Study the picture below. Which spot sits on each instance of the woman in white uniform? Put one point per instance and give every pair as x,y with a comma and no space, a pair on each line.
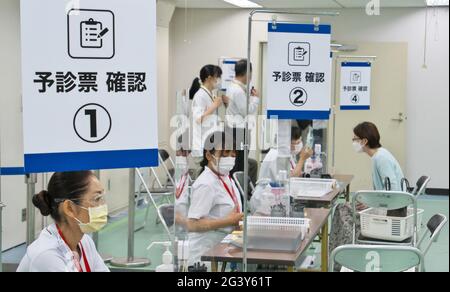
205,107
76,202
270,168
215,207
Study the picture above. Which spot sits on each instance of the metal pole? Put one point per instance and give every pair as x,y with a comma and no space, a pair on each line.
246,146
130,261
333,163
30,180
131,212
1,208
246,137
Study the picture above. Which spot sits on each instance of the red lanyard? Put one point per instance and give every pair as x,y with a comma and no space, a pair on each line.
181,186
86,263
232,194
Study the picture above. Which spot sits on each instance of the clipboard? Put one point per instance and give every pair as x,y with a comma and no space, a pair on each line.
89,32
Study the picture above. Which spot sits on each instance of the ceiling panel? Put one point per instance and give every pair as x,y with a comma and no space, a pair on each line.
384,3
298,3
302,3
204,4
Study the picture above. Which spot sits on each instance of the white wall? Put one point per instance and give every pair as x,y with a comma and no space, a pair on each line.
215,33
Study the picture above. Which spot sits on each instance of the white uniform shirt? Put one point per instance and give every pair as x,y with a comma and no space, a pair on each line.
236,110
203,99
270,168
210,200
49,253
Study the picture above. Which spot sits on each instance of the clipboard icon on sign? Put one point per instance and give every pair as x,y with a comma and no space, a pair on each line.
90,34
299,54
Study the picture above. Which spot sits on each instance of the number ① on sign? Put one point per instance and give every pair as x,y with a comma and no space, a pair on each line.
92,123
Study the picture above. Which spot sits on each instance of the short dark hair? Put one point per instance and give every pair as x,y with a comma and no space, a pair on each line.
304,124
296,133
369,131
241,68
62,186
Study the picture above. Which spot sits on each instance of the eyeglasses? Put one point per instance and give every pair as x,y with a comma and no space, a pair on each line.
95,202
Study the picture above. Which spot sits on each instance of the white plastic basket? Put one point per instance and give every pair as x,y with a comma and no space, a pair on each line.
276,234
315,188
278,223
377,225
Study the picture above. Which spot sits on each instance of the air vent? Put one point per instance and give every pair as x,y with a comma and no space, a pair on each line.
396,228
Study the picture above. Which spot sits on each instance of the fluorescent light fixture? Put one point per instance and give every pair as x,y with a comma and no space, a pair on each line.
243,3
437,2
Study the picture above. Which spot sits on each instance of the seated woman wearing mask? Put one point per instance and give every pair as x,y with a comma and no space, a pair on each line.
384,165
269,167
76,202
215,206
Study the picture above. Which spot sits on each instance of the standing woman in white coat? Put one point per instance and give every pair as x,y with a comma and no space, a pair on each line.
205,106
76,202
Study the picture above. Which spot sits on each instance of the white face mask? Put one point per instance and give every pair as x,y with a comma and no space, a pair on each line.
98,218
181,162
298,149
358,147
218,85
225,165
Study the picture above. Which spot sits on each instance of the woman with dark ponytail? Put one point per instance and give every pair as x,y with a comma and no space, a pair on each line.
205,107
75,201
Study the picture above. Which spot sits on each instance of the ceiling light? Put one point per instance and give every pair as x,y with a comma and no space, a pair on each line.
243,3
437,2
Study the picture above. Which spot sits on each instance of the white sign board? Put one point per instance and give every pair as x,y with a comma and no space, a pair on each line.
228,66
89,84
299,85
355,85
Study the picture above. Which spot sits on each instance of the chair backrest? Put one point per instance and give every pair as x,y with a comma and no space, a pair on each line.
163,157
384,199
239,180
421,185
163,154
405,186
168,214
434,228
377,258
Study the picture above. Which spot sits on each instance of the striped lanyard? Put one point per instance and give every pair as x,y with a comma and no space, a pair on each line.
181,186
232,195
75,254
